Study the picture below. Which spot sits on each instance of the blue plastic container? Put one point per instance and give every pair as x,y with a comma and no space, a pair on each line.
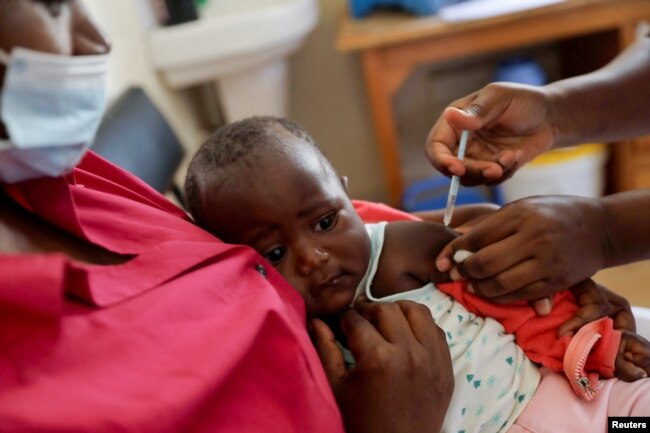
520,69
431,193
362,8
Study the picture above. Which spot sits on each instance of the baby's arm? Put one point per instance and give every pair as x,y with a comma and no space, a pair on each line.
464,215
407,257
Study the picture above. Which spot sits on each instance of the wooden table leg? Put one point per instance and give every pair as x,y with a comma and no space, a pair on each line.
382,83
629,159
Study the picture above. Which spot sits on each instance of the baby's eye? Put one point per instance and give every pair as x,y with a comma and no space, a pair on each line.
275,256
326,223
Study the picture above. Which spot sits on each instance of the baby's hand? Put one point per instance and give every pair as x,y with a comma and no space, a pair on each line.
633,359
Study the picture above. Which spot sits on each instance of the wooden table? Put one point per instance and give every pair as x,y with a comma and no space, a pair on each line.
392,45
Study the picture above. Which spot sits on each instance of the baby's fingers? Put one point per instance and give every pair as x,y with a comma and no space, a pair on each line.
628,371
633,360
641,359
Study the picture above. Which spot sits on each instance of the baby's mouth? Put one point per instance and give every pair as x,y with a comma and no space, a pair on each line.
329,282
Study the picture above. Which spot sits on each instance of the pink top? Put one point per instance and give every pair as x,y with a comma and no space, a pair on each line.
190,335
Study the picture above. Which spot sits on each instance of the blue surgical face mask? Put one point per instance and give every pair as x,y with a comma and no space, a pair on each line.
51,106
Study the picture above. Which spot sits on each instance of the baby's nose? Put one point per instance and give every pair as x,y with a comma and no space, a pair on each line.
311,258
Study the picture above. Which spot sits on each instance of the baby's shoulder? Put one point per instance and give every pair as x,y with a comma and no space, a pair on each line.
408,255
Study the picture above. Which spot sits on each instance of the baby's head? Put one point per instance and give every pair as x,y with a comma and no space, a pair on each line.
263,182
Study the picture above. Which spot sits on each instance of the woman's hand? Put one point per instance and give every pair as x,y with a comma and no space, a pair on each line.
531,248
403,378
510,126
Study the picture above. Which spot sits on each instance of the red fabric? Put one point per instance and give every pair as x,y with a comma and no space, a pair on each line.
186,336
376,212
536,335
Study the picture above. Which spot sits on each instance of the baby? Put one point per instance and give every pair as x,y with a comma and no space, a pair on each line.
263,182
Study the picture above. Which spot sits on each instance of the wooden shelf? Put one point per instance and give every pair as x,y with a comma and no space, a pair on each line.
392,45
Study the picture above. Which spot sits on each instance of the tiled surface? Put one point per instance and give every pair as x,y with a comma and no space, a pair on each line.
631,281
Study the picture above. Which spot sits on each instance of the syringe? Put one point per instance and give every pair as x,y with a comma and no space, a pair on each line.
455,180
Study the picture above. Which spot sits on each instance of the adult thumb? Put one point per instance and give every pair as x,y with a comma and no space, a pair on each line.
482,110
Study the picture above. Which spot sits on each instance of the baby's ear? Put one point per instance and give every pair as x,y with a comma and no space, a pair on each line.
344,183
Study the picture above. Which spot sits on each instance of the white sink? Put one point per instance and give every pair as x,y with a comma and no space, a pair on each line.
243,45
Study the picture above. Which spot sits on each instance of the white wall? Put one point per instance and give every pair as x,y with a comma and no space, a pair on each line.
126,23
328,99
327,91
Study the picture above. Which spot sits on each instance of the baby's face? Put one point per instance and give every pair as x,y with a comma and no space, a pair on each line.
293,209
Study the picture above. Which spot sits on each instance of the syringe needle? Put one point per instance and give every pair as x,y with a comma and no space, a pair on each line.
455,180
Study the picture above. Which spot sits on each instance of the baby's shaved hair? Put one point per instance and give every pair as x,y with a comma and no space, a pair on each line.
229,145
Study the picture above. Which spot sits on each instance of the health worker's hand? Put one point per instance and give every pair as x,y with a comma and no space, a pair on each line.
403,378
509,126
531,248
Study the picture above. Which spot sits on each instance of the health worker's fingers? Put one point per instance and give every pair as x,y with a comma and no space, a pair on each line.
443,138
442,158
485,108
544,306
506,160
482,163
510,283
530,292
480,172
490,261
490,230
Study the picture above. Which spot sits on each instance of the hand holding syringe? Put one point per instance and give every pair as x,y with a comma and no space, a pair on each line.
455,180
